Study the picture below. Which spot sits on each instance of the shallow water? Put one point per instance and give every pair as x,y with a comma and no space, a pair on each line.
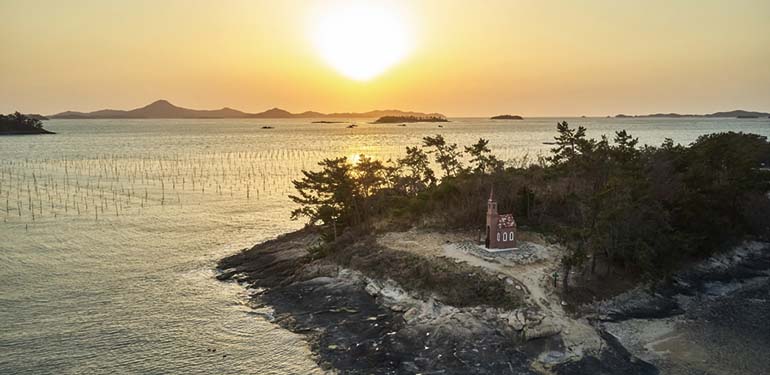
110,231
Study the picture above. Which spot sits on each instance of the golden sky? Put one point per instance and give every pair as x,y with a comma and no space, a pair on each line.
465,58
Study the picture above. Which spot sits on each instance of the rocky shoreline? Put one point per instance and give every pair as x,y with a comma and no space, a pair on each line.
362,325
711,319
358,323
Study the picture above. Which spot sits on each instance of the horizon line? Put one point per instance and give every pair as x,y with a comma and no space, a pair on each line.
621,114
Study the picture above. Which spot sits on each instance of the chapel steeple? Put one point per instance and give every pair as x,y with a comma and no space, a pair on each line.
491,203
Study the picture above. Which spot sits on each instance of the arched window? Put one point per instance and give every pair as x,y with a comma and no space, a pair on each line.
510,237
498,236
505,236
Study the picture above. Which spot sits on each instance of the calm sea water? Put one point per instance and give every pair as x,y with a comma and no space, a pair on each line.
110,231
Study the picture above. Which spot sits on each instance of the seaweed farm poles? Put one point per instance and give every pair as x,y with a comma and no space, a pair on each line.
116,185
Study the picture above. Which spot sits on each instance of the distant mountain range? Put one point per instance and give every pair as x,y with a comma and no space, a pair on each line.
739,113
164,109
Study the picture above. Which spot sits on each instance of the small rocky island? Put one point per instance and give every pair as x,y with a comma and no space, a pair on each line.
18,124
402,119
506,117
495,270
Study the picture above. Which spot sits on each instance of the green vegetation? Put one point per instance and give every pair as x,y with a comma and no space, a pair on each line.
343,194
399,119
636,209
18,123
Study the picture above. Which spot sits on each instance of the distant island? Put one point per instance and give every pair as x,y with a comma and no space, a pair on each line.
410,118
739,113
164,109
506,117
18,123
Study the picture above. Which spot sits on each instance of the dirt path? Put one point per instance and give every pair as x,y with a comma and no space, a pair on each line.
578,335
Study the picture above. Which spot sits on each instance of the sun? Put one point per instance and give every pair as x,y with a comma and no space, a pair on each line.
362,40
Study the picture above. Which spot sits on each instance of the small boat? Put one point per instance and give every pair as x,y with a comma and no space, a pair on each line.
441,126
402,125
351,126
267,127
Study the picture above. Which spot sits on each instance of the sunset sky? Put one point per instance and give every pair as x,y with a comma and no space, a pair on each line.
460,58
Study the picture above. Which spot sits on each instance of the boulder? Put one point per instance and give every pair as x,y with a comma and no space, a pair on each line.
544,329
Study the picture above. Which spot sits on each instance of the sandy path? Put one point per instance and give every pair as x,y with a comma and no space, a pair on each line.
578,335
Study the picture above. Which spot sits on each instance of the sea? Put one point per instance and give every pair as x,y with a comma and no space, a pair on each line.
110,230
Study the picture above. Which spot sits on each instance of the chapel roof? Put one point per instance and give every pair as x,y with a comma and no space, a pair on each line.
506,221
